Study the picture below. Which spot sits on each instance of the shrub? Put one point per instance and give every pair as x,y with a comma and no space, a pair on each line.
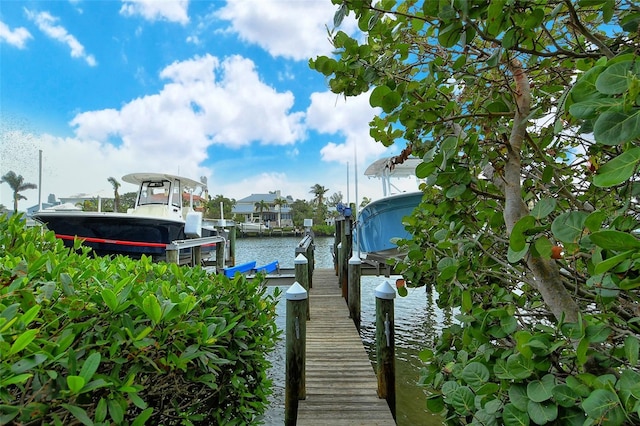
323,230
86,340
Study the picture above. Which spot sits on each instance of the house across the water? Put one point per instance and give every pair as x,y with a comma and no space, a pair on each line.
276,209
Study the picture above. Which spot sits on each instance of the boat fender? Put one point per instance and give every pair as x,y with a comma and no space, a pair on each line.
193,225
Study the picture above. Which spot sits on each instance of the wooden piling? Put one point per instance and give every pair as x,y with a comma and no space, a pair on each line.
340,260
385,344
336,245
302,276
296,331
346,255
355,266
196,256
232,245
172,256
220,261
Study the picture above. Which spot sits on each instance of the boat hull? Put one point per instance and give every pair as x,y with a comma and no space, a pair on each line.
381,221
114,233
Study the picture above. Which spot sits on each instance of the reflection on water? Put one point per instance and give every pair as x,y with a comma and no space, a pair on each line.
418,321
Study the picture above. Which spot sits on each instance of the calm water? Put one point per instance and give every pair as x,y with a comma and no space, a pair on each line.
417,321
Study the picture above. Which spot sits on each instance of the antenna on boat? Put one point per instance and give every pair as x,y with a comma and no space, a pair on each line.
355,210
40,181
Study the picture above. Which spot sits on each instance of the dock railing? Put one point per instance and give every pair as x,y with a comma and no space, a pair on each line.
196,244
225,244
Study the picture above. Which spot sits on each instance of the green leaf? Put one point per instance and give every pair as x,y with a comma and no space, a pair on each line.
501,370
511,416
594,221
14,380
568,227
497,107
115,411
585,87
391,101
467,303
450,35
541,390
377,95
90,366
598,333
616,127
384,97
338,17
462,400
543,247
615,240
109,298
424,170
30,315
565,396
435,403
516,256
589,108
23,341
618,170
142,418
604,407
581,351
631,349
608,264
543,208
455,191
79,414
75,383
101,411
614,79
517,239
578,386
25,364
151,307
475,374
542,413
519,366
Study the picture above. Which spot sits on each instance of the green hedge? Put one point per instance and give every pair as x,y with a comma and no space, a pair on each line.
99,341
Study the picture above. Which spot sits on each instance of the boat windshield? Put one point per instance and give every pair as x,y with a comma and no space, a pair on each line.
155,192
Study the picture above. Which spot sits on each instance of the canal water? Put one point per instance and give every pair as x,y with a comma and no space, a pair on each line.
417,320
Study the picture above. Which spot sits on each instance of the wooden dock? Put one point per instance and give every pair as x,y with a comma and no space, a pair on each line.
341,384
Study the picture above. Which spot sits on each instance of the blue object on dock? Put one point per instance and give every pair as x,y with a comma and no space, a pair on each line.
268,268
242,268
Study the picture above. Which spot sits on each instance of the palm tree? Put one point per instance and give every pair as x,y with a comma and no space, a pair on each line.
17,184
261,206
318,191
279,202
116,196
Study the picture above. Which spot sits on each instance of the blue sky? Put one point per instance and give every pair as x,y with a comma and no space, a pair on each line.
220,89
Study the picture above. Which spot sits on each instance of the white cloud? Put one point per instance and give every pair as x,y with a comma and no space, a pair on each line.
17,37
332,114
47,24
154,10
205,102
291,29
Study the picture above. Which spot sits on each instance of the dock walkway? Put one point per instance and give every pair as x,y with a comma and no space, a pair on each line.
341,384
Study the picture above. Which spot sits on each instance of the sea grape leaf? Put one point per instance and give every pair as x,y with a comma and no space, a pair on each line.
618,170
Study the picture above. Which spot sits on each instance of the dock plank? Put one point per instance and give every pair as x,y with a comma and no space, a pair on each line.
341,384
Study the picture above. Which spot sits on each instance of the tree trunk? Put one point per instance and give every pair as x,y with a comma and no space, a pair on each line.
545,271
